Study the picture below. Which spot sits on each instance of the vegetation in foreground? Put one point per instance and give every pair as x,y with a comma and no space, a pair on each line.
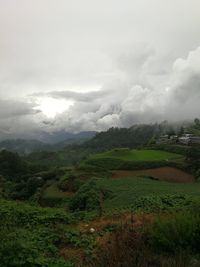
93,219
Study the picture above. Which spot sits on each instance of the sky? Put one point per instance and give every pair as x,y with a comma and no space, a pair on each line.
90,65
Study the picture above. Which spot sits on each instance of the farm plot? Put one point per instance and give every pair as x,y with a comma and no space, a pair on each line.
164,174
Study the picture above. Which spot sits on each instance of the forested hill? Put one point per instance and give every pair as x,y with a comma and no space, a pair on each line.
140,135
135,136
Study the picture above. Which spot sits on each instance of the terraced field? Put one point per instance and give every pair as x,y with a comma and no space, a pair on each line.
137,155
124,192
164,174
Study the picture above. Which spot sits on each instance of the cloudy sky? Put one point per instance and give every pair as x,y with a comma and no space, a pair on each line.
89,65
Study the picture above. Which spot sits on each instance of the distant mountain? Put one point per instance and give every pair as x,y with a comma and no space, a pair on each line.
52,142
63,136
22,146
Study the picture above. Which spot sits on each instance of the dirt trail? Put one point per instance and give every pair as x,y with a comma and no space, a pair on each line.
164,174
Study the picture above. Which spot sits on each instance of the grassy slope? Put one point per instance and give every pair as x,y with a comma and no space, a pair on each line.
53,192
124,191
137,155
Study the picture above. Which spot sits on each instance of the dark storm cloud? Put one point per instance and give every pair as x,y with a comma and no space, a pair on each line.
11,108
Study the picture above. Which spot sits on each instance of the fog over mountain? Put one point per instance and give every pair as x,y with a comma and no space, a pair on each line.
88,65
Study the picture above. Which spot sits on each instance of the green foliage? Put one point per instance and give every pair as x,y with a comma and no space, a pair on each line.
11,165
159,203
20,214
52,196
70,182
107,164
29,235
26,247
69,156
137,155
125,192
80,240
126,159
135,136
177,232
178,149
193,154
87,197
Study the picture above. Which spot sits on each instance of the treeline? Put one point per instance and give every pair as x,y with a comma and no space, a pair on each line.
133,137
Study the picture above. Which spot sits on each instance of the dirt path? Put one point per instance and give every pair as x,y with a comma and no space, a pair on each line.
164,174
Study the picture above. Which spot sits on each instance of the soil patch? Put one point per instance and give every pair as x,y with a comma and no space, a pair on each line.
164,174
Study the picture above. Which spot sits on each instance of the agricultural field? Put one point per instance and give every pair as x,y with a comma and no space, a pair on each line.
167,174
122,193
137,155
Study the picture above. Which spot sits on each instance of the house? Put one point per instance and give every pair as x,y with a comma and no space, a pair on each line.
173,139
184,139
189,139
164,139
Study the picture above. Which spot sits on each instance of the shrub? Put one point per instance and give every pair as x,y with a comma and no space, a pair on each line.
154,203
87,197
180,231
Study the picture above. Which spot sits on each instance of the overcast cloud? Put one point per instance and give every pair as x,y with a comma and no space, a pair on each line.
116,62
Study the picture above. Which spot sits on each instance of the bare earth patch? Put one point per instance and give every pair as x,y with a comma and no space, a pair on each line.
167,174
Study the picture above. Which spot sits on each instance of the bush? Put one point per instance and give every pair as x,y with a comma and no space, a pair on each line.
177,232
19,214
29,236
70,183
87,197
161,203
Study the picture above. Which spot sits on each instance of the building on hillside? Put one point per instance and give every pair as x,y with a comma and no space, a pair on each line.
189,139
185,139
173,139
166,139
163,139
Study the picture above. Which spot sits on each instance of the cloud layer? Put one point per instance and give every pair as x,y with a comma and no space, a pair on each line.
124,104
117,63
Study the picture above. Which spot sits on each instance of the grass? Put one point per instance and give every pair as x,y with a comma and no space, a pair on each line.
53,192
137,155
53,197
123,192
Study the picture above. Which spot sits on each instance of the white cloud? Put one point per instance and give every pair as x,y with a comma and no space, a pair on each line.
118,62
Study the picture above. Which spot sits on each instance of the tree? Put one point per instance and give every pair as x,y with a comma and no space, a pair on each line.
197,123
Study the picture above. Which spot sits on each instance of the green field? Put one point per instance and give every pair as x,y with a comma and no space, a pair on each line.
137,155
52,196
124,192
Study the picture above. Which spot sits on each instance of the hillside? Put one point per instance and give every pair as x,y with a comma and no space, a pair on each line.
72,206
133,137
